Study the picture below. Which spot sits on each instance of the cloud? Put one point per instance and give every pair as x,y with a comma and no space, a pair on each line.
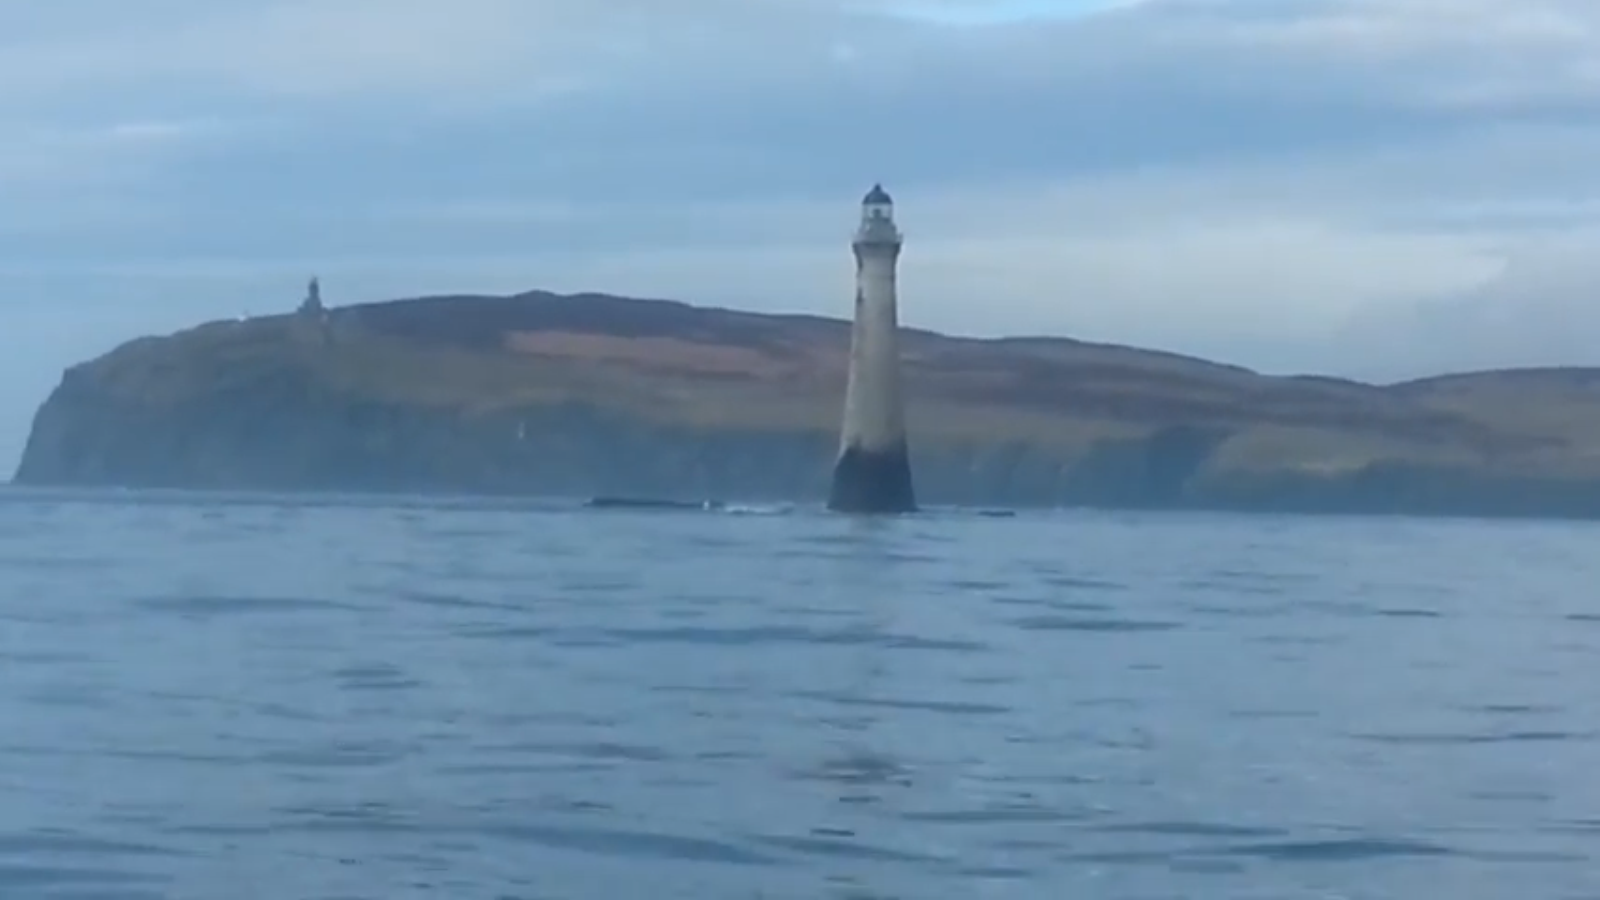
1290,184
423,50
1538,309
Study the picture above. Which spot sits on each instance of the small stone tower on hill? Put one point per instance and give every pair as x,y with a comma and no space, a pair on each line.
311,306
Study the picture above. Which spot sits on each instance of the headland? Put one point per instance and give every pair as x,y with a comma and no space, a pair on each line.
584,395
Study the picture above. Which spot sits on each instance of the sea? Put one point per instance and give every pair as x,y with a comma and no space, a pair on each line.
225,697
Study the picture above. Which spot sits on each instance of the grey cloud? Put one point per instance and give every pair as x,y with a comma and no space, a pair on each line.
1542,309
628,142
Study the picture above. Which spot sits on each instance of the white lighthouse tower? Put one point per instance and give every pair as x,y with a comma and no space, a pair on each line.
873,471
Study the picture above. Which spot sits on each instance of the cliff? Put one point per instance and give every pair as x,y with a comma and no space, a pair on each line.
591,394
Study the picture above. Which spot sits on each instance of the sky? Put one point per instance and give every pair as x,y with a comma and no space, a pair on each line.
1376,189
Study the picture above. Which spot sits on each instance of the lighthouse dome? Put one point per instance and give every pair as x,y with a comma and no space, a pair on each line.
877,197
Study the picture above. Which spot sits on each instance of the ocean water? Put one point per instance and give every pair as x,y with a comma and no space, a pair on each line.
271,698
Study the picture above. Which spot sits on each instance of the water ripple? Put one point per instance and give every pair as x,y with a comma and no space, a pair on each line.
1513,737
781,635
631,844
948,707
1097,625
1342,850
239,605
415,697
33,878
55,842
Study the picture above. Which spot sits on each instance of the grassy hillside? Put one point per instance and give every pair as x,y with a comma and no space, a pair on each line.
669,362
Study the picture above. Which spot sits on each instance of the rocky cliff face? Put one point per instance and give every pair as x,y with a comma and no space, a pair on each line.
275,406
292,438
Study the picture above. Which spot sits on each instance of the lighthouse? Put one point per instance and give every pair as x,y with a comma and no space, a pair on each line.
873,470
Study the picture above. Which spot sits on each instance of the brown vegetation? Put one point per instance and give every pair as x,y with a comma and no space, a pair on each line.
669,361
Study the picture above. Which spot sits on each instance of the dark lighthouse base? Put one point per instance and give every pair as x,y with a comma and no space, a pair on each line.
872,481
